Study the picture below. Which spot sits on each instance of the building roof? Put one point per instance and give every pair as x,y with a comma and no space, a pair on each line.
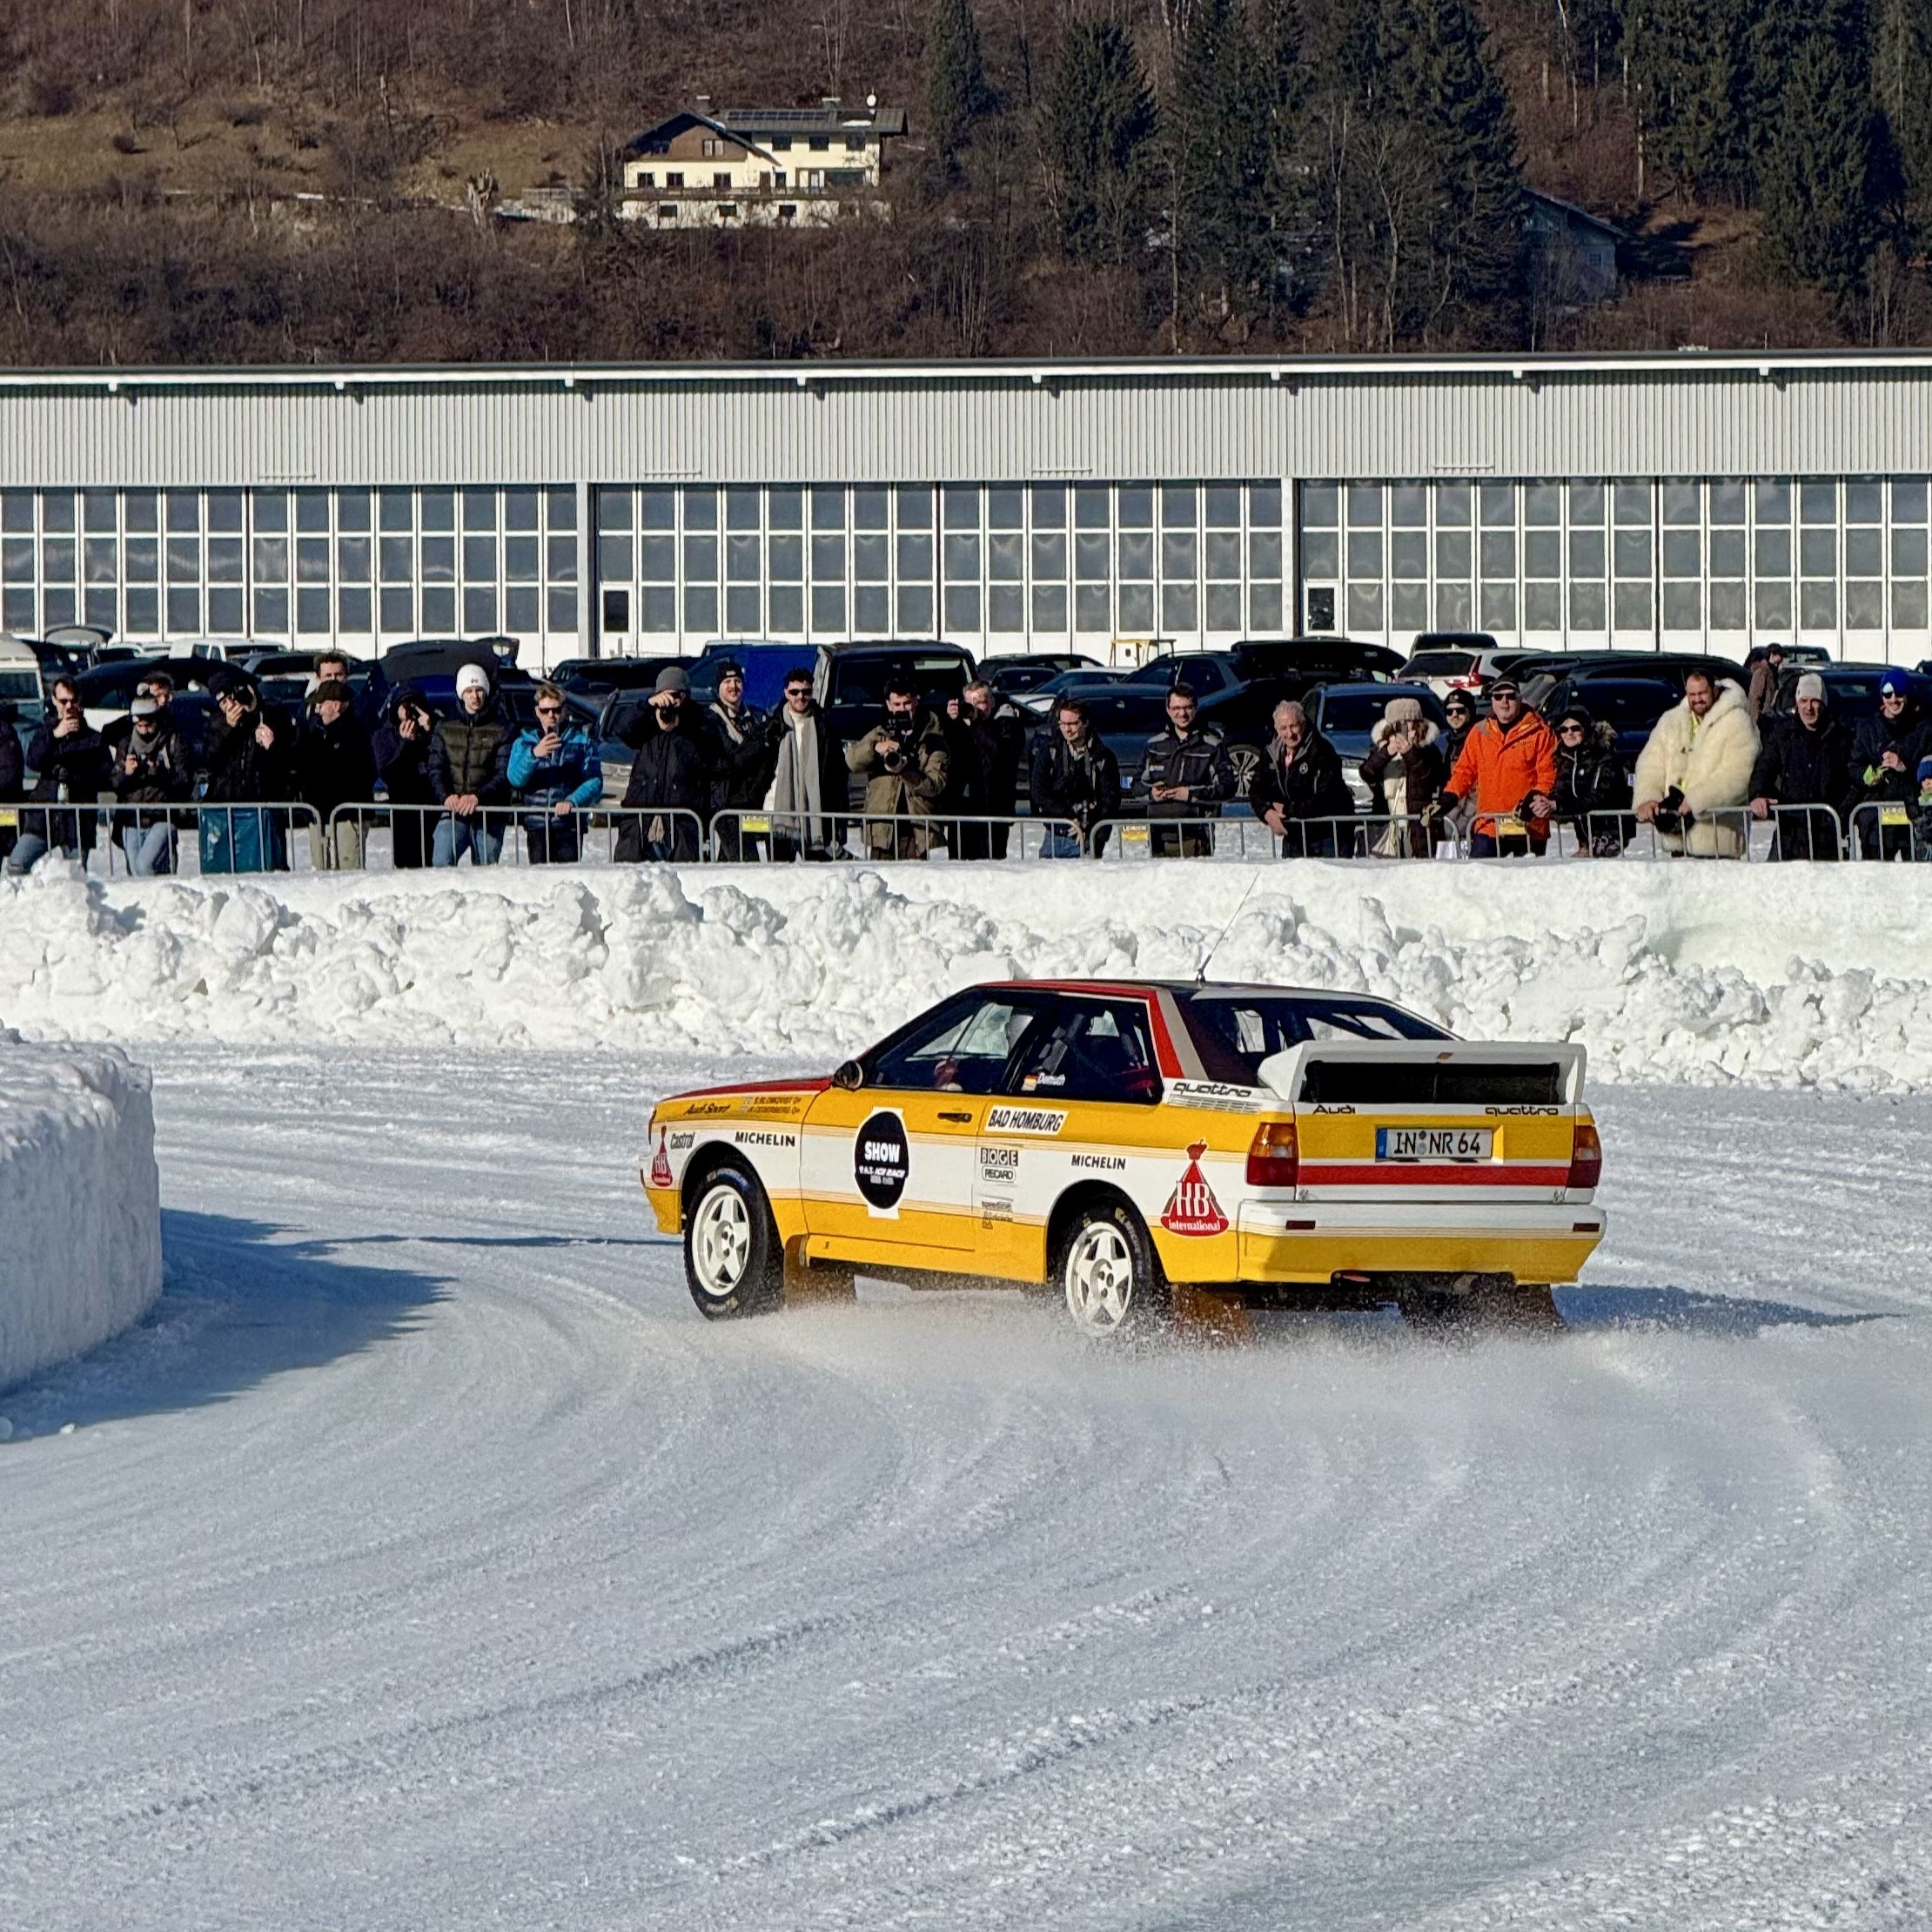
753,125
1581,217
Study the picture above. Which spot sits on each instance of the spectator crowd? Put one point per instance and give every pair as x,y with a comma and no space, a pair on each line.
949,774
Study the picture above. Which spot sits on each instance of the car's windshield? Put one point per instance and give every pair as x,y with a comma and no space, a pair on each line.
1627,705
861,680
1234,1031
1345,713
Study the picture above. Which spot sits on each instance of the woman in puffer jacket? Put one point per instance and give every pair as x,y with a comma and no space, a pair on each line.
1404,770
1590,784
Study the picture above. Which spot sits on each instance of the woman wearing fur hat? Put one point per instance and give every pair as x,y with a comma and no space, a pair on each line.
1404,770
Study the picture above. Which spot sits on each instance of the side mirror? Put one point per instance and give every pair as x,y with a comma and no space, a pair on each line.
849,1078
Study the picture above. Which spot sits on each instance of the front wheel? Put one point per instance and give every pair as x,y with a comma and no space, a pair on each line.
733,1264
1110,1273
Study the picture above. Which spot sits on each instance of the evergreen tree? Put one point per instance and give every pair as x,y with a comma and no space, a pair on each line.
1903,82
1439,86
1821,213
956,90
1099,141
1220,157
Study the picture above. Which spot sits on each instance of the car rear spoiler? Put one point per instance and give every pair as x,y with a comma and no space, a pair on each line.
1371,1073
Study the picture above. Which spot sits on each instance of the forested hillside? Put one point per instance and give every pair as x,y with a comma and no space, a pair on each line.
297,180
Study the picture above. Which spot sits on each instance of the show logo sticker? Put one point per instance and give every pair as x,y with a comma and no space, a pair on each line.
1025,1120
661,1175
1192,1208
882,1160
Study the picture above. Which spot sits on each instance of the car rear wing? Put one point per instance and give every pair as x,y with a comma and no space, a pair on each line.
1427,1073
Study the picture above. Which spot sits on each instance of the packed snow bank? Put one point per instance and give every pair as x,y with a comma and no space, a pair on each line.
1775,974
80,1204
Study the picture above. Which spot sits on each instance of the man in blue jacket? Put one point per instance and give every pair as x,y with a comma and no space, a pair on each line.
555,773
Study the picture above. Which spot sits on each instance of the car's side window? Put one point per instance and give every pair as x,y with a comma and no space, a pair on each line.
1092,1049
962,1048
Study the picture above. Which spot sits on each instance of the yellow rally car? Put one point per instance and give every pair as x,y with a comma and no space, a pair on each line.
1119,1140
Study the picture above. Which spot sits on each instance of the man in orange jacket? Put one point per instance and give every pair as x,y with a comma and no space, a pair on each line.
1509,763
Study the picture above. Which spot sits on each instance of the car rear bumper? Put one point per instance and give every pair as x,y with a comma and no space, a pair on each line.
1310,1242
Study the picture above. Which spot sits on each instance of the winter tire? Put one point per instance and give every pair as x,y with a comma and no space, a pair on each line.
1110,1274
733,1263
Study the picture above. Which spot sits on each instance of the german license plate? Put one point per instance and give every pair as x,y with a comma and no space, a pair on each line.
1433,1143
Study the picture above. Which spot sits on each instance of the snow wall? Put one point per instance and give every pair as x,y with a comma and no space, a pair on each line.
1774,975
80,1201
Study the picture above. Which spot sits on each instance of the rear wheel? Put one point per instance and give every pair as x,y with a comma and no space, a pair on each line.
1110,1274
733,1264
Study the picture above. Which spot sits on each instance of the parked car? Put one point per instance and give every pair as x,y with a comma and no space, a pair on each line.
764,665
1012,675
849,679
431,664
1346,714
107,690
1851,690
597,677
1238,689
1458,660
1540,673
1629,703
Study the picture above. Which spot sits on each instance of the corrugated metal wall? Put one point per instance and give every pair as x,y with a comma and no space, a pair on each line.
1682,417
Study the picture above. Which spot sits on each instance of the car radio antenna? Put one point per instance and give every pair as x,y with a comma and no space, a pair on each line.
1207,958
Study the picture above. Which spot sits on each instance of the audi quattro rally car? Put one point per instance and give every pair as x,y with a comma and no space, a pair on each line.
1113,1140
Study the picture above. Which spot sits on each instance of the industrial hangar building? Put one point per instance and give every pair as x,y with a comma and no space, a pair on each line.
1688,501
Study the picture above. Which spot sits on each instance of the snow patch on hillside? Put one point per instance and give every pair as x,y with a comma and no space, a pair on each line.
80,1205
1664,972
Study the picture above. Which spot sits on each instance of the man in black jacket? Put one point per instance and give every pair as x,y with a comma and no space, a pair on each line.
1804,761
335,765
68,755
1884,762
992,743
671,773
401,749
151,769
469,769
13,777
1299,790
251,757
740,759
1184,774
1074,776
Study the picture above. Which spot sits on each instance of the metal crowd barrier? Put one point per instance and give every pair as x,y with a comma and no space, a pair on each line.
1883,829
753,836
409,837
193,838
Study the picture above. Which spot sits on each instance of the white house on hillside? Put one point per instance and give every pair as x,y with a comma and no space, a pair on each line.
705,167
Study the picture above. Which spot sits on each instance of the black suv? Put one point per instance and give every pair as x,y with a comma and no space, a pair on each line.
1236,690
849,679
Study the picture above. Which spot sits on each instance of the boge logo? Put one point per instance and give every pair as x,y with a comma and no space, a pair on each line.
881,1161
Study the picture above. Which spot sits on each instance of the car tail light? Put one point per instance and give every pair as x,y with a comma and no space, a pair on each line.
1585,1157
1274,1160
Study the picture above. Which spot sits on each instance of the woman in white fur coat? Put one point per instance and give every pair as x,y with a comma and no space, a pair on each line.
1697,764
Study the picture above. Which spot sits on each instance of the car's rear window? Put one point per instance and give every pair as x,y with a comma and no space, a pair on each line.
862,680
1235,1032
1440,664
